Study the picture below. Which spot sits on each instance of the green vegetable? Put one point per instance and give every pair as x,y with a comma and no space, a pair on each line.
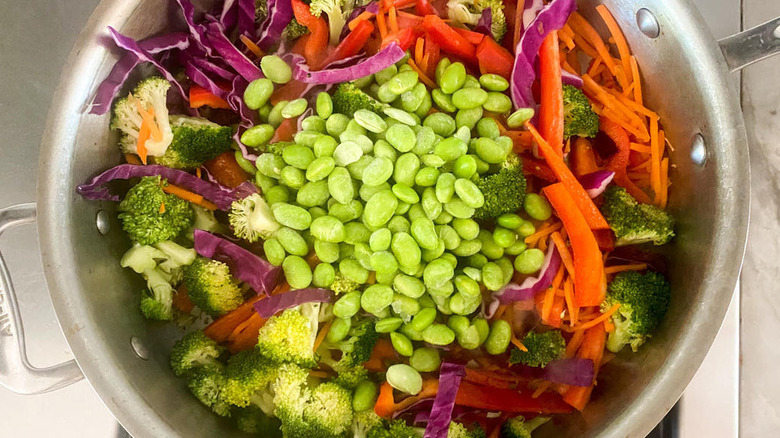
635,223
150,93
470,11
211,287
348,98
503,191
579,119
294,30
195,140
251,218
517,427
195,350
458,430
543,348
149,215
404,378
394,429
289,337
643,300
206,385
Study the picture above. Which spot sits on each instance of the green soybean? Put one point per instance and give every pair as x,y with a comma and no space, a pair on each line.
383,76
499,338
348,305
438,334
297,272
274,251
507,267
336,123
465,167
404,306
387,325
275,116
412,100
445,186
526,229
423,319
529,261
493,82
328,229
383,261
292,242
490,151
292,177
323,275
498,103
489,247
320,168
292,216
370,120
471,82
469,193
426,177
402,137
450,149
380,239
488,127
424,233
275,69
339,329
537,207
492,276
277,194
469,338
346,212
468,98
441,123
440,67
403,82
379,209
295,108
400,115
430,204
504,237
314,123
376,298
364,396
459,208
340,185
405,249
426,139
356,232
452,78
257,135
449,237
425,360
258,92
468,247
467,286
519,117
378,171
409,286
324,146
516,248
468,117
509,220
404,378
443,101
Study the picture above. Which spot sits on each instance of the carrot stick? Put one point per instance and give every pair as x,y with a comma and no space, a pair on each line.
392,20
423,77
257,51
418,50
637,83
580,198
583,158
247,338
594,322
574,343
517,343
321,335
365,15
189,196
551,108
568,294
617,34
621,268
664,182
581,26
655,156
592,348
143,136
542,387
381,24
549,297
543,232
222,327
640,148
564,252
589,281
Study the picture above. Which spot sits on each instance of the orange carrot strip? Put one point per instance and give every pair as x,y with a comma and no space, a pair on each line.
518,344
551,107
418,50
381,24
637,83
247,337
640,148
574,344
392,20
222,327
621,268
564,252
365,15
631,104
596,321
189,196
567,38
655,156
592,348
549,297
584,203
542,387
423,77
257,51
321,335
617,34
543,232
568,294
148,118
585,47
581,26
664,182
143,136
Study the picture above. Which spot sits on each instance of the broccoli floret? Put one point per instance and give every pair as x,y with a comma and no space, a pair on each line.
251,218
322,411
252,420
579,119
503,191
288,337
395,429
458,430
176,256
335,10
195,350
294,30
355,350
543,348
151,93
195,140
470,11
206,385
342,284
205,220
350,377
141,258
211,287
365,421
348,98
261,10
643,302
149,215
329,409
635,223
517,427
157,300
248,377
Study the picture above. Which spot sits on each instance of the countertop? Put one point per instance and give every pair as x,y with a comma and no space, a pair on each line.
37,35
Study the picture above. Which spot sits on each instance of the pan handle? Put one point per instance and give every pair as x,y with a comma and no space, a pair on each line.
752,45
16,373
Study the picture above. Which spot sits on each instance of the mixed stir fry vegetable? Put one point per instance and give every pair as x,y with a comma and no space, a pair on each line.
397,218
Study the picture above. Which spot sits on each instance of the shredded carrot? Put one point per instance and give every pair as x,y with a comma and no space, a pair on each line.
543,232
321,335
162,207
664,182
257,51
617,35
549,296
609,326
636,80
143,136
365,15
621,268
132,159
563,250
641,109
640,148
418,50
543,244
392,20
243,326
189,196
543,387
574,343
381,24
568,295
596,321
423,77
655,154
409,16
585,46
581,26
593,70
500,312
148,117
566,38
624,115
518,344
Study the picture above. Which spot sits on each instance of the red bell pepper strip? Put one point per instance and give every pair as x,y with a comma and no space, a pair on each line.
447,38
286,130
582,158
404,38
317,43
289,91
353,43
538,168
508,400
589,280
605,239
586,206
424,7
471,36
226,170
593,342
551,108
200,96
618,162
495,59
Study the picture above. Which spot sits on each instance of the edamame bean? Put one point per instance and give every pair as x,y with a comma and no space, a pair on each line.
488,127
264,111
327,252
423,319
489,247
336,124
438,334
467,248
529,261
490,151
526,229
468,98
409,286
258,92
245,164
440,67
449,237
348,305
358,168
306,138
298,156
477,261
507,268
452,78
467,286
274,251
499,337
398,224
324,105
384,149
387,325
493,82
437,273
498,103
445,186
370,120
429,255
519,117
380,239
426,139
352,269
504,237
356,232
404,378
412,100
295,108
403,82
424,233
509,220
324,274
441,124
469,338
275,69
458,208
366,192
320,168
505,143
425,359
473,273
339,329
405,193
482,327
340,185
458,323
402,137
383,76
275,116
324,146
406,167
432,160
492,276
346,251
257,135
426,177
328,229
379,209
347,152
469,193
465,167
450,149
516,248
404,306
471,82
537,207
443,101
291,216
430,204
364,396
292,177
383,261
378,171
297,272
314,123
346,212
468,117
405,249
376,298
277,194
401,115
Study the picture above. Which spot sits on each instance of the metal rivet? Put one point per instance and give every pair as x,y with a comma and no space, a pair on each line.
698,150
776,33
647,23
139,348
103,222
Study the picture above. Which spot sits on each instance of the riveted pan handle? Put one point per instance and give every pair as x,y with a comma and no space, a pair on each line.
16,373
752,45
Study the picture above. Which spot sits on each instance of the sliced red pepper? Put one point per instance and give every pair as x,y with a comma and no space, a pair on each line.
605,239
619,161
226,170
508,400
538,168
471,36
289,91
286,130
315,51
404,38
448,39
494,59
551,93
424,7
353,43
200,96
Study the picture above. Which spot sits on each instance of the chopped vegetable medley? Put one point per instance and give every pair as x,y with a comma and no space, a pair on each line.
399,218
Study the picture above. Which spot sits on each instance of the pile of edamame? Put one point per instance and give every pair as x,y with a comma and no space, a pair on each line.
386,201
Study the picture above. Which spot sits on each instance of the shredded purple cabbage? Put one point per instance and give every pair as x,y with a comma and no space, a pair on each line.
230,54
97,190
368,66
372,7
531,9
551,17
532,285
280,13
274,304
485,23
450,375
571,79
572,371
244,265
595,183
246,18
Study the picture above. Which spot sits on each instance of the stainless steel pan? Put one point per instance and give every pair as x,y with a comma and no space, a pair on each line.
125,358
